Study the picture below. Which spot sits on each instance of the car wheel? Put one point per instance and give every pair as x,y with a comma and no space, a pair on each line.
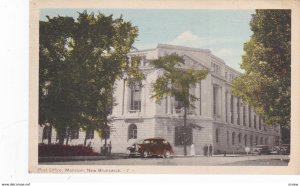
167,154
128,154
145,154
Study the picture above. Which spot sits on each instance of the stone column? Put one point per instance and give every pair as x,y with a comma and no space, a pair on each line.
226,103
235,110
169,105
219,103
126,98
143,98
197,103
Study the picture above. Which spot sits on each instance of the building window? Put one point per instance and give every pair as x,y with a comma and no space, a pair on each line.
183,134
178,105
216,68
215,99
240,137
259,123
89,134
233,138
249,110
227,137
261,140
47,132
251,141
74,133
256,140
132,131
136,89
217,135
266,141
226,106
254,121
245,140
231,108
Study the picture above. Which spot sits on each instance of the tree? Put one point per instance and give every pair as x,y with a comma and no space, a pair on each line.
176,81
79,64
266,83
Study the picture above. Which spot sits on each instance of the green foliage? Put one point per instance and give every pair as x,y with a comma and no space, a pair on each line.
79,62
266,84
176,81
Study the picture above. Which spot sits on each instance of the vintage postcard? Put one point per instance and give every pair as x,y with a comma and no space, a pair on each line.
171,87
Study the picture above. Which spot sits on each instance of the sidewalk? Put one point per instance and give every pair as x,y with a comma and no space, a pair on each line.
79,158
217,158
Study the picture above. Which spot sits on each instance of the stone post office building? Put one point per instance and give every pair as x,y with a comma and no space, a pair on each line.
219,118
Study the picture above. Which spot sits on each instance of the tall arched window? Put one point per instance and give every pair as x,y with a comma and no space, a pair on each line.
245,140
228,137
132,131
261,140
251,141
135,96
240,137
256,140
233,138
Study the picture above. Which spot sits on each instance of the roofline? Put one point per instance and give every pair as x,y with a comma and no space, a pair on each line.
239,73
183,48
141,51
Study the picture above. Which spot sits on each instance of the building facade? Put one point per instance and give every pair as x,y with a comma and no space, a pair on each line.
219,118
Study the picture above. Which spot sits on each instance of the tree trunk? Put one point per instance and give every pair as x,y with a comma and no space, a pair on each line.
184,132
61,137
50,135
68,135
105,136
85,139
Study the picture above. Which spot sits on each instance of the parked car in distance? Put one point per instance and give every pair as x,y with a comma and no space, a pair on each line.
282,149
275,150
151,147
285,148
261,149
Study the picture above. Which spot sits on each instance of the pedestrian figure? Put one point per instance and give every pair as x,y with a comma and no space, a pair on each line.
210,150
109,148
205,148
192,150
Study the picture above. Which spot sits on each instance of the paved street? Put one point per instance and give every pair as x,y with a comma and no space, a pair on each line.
264,160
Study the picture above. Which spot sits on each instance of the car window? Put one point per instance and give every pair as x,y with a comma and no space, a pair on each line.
154,142
147,142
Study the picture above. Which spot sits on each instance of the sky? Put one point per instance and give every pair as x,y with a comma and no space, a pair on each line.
223,32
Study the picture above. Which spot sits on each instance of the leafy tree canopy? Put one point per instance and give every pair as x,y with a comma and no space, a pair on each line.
79,63
176,81
266,84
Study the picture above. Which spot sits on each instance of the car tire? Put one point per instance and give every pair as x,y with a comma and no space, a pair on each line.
128,154
167,154
145,154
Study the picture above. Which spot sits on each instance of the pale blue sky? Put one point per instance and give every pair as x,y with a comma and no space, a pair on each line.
222,31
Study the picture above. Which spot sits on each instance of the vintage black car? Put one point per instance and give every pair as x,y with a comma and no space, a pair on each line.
261,149
151,147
